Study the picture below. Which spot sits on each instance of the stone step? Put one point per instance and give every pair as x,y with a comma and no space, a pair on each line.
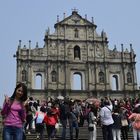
83,134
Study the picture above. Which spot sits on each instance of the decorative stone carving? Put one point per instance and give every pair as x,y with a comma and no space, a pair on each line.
99,51
90,33
61,31
53,49
75,19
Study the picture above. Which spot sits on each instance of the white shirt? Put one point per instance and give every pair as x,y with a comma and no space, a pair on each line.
106,115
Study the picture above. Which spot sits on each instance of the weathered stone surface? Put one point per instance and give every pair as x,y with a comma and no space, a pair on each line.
76,51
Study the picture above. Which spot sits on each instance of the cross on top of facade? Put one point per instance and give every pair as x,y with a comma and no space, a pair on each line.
74,10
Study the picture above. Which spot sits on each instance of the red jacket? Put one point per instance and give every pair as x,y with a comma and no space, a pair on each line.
50,119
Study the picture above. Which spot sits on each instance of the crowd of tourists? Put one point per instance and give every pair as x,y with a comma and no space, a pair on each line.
116,117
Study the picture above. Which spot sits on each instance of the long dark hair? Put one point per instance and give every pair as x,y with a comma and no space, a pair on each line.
24,96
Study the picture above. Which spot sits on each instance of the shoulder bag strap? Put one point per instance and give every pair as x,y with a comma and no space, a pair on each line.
108,108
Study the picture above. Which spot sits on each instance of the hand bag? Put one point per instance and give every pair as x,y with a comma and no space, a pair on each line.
57,126
91,127
124,122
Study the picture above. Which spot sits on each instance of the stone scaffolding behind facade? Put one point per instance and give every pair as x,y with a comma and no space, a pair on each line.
76,51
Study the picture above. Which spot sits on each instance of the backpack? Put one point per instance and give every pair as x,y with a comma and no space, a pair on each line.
40,117
64,111
67,109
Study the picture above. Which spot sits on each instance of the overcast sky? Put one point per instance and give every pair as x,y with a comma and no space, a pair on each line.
28,19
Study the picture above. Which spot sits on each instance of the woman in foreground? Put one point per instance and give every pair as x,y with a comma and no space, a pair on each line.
14,114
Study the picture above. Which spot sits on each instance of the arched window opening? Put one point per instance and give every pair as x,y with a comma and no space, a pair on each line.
38,81
129,77
54,76
76,52
76,34
101,77
77,81
115,82
24,75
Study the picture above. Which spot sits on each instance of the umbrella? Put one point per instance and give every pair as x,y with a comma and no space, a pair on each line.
94,101
60,97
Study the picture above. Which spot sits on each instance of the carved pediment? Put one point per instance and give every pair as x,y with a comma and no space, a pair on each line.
75,19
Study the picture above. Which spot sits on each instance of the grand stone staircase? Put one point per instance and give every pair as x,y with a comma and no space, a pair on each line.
83,134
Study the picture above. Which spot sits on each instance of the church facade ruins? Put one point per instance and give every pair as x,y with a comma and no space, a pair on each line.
76,62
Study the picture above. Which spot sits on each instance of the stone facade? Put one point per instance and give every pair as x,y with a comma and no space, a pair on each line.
76,50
